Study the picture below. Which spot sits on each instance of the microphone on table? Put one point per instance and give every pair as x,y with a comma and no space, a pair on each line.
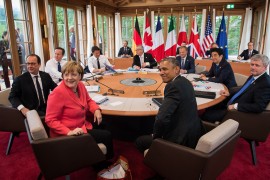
155,92
110,89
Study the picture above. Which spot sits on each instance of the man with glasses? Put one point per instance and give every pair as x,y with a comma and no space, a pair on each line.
30,90
54,65
143,60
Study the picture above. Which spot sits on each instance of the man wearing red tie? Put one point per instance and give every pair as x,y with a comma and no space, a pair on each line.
248,53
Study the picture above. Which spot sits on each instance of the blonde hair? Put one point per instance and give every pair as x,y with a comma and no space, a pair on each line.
72,66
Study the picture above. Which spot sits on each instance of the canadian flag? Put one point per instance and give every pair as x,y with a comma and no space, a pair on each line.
147,37
194,40
182,36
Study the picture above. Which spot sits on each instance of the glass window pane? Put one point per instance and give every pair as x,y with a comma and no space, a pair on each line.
72,34
61,28
234,34
3,22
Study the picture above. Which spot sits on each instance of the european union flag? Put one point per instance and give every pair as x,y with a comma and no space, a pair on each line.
222,37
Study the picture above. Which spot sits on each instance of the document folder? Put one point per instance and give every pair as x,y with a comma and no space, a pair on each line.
205,94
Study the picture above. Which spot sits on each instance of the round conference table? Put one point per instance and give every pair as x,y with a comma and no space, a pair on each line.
134,103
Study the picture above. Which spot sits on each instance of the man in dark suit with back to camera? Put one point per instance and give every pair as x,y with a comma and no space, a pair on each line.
187,63
30,90
252,97
143,60
220,71
125,51
177,120
248,53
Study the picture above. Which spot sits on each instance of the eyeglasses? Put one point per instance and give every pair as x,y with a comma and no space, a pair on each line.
31,64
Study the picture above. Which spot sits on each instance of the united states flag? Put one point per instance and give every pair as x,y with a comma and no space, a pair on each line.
208,38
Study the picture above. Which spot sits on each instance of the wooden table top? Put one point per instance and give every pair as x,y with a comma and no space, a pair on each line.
133,102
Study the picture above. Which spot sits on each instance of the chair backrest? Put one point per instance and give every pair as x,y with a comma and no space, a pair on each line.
35,125
268,107
199,69
174,161
240,79
211,140
4,97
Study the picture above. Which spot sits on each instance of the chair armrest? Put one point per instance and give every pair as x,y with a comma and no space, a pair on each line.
175,161
70,153
254,126
12,120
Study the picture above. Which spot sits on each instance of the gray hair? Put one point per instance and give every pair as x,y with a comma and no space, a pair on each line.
171,60
261,57
140,47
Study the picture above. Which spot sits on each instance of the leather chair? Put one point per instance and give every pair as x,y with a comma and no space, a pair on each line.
254,127
211,156
11,119
240,79
60,156
199,69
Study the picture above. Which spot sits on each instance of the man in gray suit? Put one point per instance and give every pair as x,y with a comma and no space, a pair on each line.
177,120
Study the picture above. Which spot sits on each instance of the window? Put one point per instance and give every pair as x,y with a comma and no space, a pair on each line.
82,36
104,34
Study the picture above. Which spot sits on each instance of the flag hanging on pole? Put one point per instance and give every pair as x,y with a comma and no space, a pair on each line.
170,48
137,40
158,46
182,35
208,38
147,37
194,40
222,37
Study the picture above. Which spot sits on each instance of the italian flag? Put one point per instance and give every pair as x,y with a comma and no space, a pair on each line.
170,48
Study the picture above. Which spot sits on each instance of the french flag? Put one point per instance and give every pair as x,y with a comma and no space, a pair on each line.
158,47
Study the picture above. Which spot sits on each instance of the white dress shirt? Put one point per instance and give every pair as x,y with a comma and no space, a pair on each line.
92,62
52,69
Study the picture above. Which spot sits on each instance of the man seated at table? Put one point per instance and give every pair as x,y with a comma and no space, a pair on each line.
248,53
186,62
252,97
125,51
177,119
143,60
54,65
97,63
208,52
31,89
221,71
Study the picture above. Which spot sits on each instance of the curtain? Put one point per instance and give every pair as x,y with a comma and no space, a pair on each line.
90,40
37,29
267,35
203,25
118,34
245,39
49,29
214,24
96,27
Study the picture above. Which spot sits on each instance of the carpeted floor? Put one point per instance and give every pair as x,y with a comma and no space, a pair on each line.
21,164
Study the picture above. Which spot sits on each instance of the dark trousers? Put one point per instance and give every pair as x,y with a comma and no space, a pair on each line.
73,54
5,64
144,142
105,137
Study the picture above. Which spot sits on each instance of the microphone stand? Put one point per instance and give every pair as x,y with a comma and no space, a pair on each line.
157,90
111,90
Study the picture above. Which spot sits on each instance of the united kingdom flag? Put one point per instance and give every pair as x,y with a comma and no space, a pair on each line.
194,44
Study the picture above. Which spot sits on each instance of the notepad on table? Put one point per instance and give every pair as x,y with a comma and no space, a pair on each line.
93,88
100,99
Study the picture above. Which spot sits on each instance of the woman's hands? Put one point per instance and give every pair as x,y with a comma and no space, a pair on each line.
97,116
75,132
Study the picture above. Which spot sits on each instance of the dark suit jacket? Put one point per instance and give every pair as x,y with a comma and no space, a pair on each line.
23,90
224,74
256,97
177,120
147,58
246,52
128,52
189,64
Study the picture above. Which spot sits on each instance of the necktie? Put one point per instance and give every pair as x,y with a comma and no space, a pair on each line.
59,67
217,67
41,101
125,50
98,63
141,59
182,63
249,55
241,91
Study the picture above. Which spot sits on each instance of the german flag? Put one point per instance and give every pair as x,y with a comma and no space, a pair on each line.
137,40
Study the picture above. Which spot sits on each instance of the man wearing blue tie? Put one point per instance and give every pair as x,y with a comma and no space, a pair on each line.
186,62
54,65
252,97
